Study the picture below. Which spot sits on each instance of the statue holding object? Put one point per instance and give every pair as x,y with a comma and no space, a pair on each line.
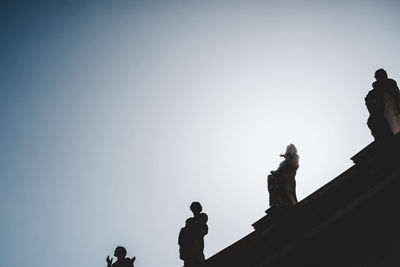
191,237
282,183
383,103
122,260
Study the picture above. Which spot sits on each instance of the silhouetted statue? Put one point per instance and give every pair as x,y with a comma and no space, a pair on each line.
282,183
120,253
191,237
383,103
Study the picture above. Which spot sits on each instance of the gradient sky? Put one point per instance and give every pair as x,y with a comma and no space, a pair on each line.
116,115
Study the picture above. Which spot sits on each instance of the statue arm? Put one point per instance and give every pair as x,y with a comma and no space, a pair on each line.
293,161
181,236
109,261
132,261
397,90
204,231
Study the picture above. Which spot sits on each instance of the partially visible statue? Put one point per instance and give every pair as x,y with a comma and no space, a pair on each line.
383,103
282,183
120,253
191,237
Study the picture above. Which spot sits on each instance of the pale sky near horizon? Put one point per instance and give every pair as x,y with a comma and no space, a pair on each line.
116,115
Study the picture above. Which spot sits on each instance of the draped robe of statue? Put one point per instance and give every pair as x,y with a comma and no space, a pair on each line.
282,183
191,240
383,103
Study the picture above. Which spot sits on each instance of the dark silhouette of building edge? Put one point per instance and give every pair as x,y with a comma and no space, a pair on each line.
354,220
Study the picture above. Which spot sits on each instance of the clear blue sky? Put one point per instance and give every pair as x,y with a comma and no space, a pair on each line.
116,115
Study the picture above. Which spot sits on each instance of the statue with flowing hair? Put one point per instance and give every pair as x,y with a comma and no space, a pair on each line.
282,183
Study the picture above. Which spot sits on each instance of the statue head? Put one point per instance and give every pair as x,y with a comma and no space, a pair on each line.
380,75
120,252
196,208
291,149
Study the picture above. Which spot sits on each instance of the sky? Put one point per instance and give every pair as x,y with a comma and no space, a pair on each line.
116,115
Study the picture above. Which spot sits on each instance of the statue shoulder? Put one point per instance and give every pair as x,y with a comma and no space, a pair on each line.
372,94
392,82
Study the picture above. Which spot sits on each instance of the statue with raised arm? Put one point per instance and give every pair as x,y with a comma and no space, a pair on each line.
122,260
383,103
282,183
191,237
